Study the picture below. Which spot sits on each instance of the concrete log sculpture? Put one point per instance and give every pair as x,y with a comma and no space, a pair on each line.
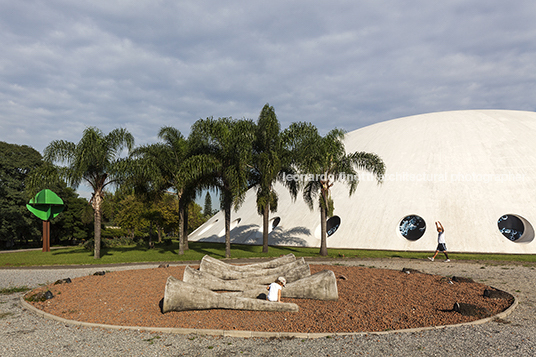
319,286
209,281
209,264
223,271
181,296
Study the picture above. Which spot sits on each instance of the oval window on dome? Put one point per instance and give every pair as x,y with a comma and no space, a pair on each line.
511,227
275,222
332,225
234,224
412,227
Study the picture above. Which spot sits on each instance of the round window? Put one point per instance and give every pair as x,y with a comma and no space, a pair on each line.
511,227
412,227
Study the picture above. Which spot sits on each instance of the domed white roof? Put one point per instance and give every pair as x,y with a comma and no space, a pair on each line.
474,171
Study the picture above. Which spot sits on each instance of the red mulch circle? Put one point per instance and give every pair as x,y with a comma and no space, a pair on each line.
370,300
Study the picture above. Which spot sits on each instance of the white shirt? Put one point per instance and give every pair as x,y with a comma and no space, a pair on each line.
272,293
441,238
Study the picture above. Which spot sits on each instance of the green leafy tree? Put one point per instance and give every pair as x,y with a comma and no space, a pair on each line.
207,210
17,224
271,160
221,160
95,160
323,160
131,215
20,179
195,217
169,210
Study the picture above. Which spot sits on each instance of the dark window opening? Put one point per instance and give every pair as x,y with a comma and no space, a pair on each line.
332,225
511,227
412,227
275,222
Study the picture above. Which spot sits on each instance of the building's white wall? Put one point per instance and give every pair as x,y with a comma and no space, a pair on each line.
434,146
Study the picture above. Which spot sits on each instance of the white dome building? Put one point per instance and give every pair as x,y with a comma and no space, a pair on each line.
474,171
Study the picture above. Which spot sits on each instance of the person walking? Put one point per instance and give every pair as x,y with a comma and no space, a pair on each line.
441,243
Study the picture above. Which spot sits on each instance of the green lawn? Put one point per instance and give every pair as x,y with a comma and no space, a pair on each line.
168,253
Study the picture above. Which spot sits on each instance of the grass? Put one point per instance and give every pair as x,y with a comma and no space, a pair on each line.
169,253
18,289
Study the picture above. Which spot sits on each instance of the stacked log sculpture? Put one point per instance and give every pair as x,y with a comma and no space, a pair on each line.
181,296
247,285
292,272
319,286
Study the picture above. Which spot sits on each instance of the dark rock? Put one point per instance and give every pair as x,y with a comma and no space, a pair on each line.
410,270
163,266
461,279
42,296
99,273
470,310
63,281
497,294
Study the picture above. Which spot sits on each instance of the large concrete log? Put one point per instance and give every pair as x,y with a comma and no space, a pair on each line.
319,286
181,296
208,264
223,271
208,281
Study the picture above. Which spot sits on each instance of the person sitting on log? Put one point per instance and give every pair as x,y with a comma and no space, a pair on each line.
274,290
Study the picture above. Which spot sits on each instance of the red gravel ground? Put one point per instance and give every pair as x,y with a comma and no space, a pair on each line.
369,300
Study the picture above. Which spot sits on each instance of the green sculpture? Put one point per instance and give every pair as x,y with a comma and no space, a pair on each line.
46,205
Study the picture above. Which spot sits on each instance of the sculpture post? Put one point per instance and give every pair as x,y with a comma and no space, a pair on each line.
46,236
46,205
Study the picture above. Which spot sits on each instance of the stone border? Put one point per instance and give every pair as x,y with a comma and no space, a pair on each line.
258,334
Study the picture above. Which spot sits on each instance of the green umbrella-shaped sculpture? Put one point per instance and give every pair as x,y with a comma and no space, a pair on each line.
46,205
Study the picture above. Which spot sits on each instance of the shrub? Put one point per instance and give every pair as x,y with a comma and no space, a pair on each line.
109,243
113,232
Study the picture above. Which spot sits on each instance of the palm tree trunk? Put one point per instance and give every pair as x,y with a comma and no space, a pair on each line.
97,224
181,227
228,207
185,230
265,223
323,235
150,233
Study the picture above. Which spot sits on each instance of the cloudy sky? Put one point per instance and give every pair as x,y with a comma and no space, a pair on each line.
69,64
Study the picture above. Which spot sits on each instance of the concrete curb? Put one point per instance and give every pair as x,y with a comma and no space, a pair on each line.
255,334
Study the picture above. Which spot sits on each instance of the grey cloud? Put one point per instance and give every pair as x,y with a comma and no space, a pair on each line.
141,65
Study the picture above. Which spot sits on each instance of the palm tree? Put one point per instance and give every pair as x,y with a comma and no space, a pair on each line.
324,161
96,161
161,167
222,154
270,162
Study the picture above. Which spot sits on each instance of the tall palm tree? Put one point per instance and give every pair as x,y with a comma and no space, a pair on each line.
222,156
95,160
270,162
161,167
323,161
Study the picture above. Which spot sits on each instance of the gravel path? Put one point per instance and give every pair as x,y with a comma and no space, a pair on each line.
25,334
